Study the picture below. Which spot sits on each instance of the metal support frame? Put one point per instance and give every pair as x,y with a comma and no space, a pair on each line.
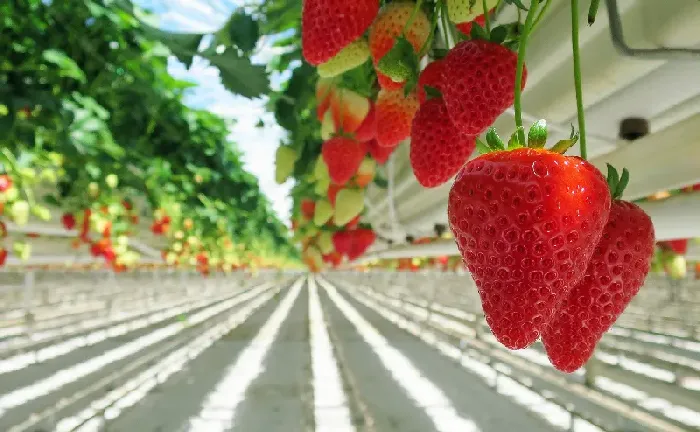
618,41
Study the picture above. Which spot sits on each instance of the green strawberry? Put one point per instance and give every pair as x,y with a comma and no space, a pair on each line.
285,159
322,212
327,126
112,181
19,212
22,250
348,204
321,169
349,58
321,186
41,212
325,242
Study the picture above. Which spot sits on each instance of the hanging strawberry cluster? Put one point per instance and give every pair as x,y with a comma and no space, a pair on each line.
554,251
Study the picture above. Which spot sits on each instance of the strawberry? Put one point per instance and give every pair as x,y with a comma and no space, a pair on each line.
19,212
615,273
307,208
368,129
463,11
361,240
343,157
365,173
349,204
342,241
388,26
430,76
349,58
438,149
68,221
3,256
466,27
526,223
324,241
323,212
5,182
334,258
479,83
324,91
395,113
380,154
676,267
678,246
285,158
349,109
328,26
3,230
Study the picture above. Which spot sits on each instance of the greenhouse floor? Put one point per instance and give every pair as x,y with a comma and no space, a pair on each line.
303,353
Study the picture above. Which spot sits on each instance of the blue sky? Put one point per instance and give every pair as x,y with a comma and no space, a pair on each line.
257,144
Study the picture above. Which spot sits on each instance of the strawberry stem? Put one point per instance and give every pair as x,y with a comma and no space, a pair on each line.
577,77
412,17
522,50
542,13
487,19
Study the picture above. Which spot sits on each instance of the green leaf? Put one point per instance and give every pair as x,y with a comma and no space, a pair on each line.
537,135
238,74
184,46
243,31
432,92
481,147
478,32
401,62
624,181
499,34
514,141
517,3
381,181
67,67
593,11
493,140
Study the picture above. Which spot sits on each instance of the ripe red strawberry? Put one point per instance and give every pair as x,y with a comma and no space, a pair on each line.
395,114
466,27
368,129
526,222
5,182
438,149
342,241
388,26
362,239
343,157
430,76
614,275
328,26
68,221
307,207
380,154
678,246
479,83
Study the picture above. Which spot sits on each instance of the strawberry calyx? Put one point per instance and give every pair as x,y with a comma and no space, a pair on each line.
401,64
617,182
536,139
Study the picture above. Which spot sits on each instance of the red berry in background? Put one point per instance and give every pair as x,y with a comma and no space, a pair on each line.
526,223
678,246
3,256
438,149
615,274
380,154
68,221
431,76
343,157
479,84
342,241
395,112
328,26
5,182
307,207
361,240
368,129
